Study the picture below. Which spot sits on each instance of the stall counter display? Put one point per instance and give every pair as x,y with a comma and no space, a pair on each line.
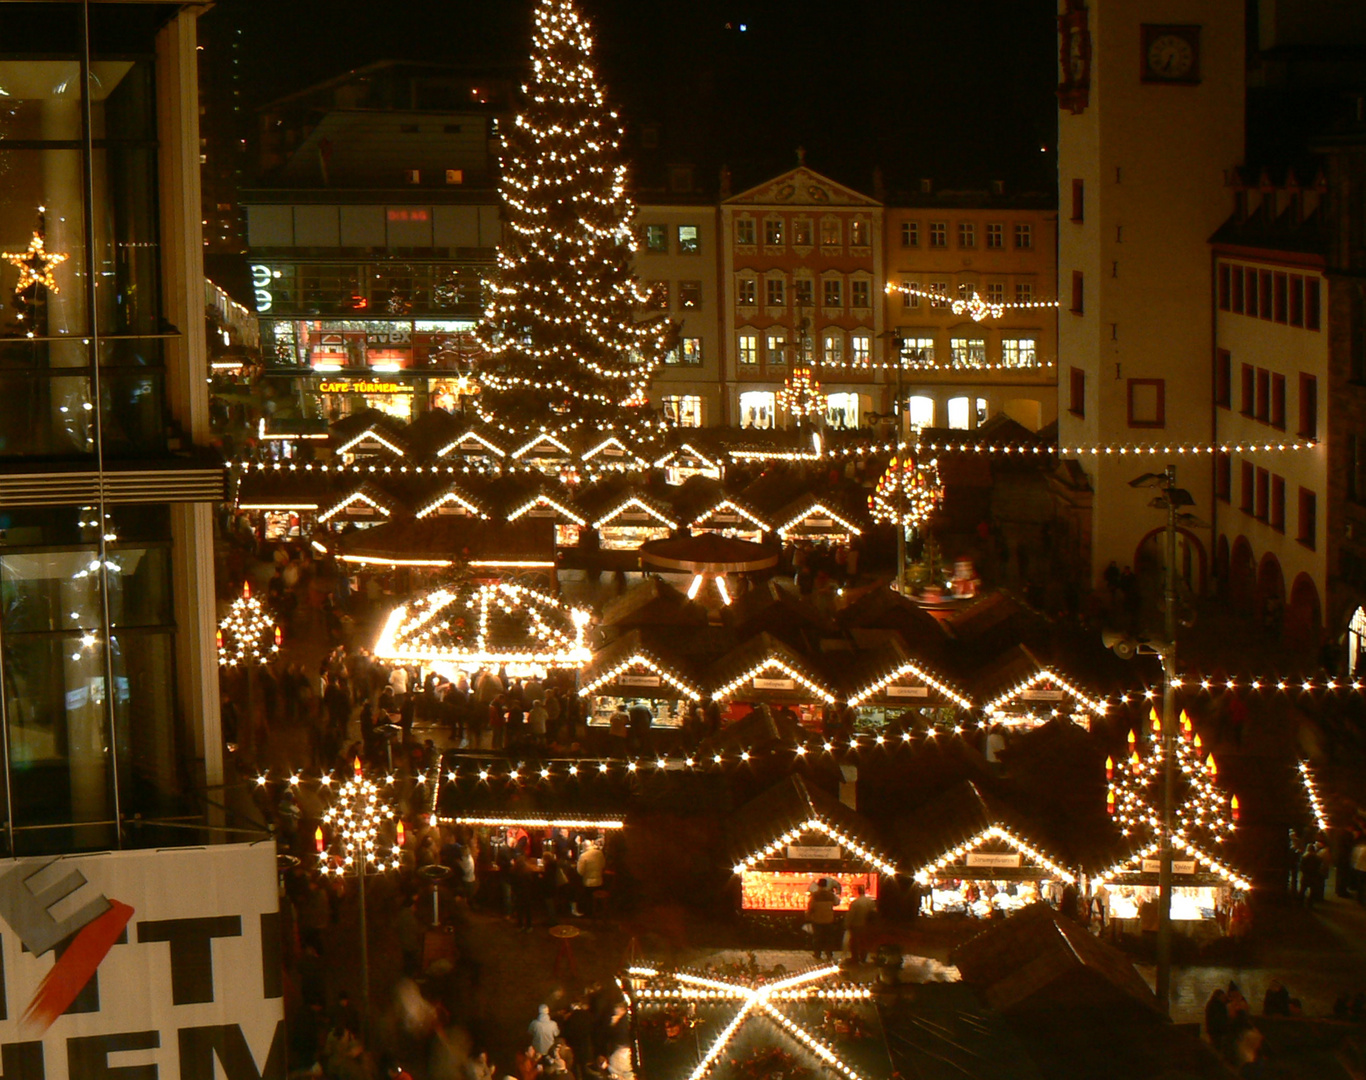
667,714
1190,903
981,898
774,890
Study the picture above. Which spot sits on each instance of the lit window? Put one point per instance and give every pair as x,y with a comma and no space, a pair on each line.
691,350
748,349
830,233
996,292
744,292
996,234
773,232
775,292
683,410
1018,353
689,294
757,408
939,234
659,296
834,348
910,234
941,294
920,411
842,410
910,294
959,413
776,345
801,233
656,238
832,293
967,352
967,234
858,294
917,350
1024,235
744,231
860,348
688,241
858,234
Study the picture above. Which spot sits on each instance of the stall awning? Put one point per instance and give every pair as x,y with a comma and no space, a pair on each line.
961,834
815,517
764,828
766,669
630,668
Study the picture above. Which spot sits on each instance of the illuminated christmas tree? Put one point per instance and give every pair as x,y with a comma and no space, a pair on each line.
907,492
560,321
801,394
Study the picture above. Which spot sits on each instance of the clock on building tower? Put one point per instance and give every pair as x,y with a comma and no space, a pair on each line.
1170,54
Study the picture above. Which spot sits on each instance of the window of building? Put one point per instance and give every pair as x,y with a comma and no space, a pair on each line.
412,176
1277,514
689,294
1247,403
1076,395
774,292
996,292
1236,282
1246,483
744,292
996,234
1309,407
806,348
1308,532
1147,403
967,234
1251,291
689,240
920,411
1024,235
967,352
773,232
941,294
1024,292
1264,300
832,289
656,239
744,232
1019,353
804,292
1224,286
1223,476
858,233
1263,412
939,234
683,410
917,350
858,294
1278,401
1296,300
1311,303
860,349
1078,200
1078,292
960,413
1356,641
757,409
690,350
659,296
910,234
1223,378
830,233
910,294
1280,298
748,349
775,345
842,411
801,232
455,176
1261,507
1356,468
833,344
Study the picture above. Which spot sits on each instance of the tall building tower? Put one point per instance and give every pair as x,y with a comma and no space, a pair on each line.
1151,99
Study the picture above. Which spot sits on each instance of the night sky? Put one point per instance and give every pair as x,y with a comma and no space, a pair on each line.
962,92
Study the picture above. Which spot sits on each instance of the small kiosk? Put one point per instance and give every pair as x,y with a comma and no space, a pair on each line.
794,834
371,435
632,517
734,517
888,685
283,503
546,504
612,455
548,452
1204,889
363,504
450,499
686,460
478,445
975,857
1019,690
814,519
765,670
631,674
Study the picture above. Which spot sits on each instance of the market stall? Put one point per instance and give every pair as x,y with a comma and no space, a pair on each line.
685,460
1204,891
890,685
549,452
369,434
1018,689
631,517
450,499
732,516
795,834
816,520
283,505
974,856
545,504
479,444
630,675
611,454
363,503
766,670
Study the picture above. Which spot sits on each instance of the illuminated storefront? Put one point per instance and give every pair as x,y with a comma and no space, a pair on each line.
1020,690
628,674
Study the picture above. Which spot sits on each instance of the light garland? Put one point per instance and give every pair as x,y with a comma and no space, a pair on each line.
920,673
370,433
769,664
669,459
486,443
820,825
1312,794
1095,705
640,504
992,832
818,509
454,495
542,439
728,504
678,683
801,394
349,500
246,635
974,305
1111,874
542,499
906,494
35,265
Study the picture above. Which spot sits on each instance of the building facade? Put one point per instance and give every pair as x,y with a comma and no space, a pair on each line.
954,245
108,671
1152,116
801,271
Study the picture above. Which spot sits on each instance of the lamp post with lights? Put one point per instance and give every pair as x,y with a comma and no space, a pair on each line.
247,638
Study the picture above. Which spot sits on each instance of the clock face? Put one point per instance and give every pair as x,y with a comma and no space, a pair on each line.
1170,56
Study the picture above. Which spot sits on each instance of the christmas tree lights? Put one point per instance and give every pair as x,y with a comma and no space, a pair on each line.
560,320
801,394
907,493
246,635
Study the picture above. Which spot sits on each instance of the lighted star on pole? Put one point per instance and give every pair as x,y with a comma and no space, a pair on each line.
758,999
35,265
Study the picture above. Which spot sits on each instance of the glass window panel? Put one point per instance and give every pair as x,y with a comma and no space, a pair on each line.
45,415
144,688
140,586
126,239
49,590
133,414
50,179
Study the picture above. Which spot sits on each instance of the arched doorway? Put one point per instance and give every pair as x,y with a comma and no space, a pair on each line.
1221,566
1356,643
1242,577
1192,563
1304,616
1269,598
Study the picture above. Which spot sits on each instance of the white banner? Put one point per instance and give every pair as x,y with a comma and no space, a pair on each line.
814,851
994,858
142,965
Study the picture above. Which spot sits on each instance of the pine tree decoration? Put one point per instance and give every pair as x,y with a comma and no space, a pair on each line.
560,321
907,492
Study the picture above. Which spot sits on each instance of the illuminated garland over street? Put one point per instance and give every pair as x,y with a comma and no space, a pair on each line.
560,324
973,305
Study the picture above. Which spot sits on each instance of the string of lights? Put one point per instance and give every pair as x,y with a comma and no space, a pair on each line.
992,832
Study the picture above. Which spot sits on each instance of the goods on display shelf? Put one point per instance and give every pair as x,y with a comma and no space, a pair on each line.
778,890
1190,903
982,898
664,713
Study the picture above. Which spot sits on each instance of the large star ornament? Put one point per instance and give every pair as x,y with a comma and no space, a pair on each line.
35,265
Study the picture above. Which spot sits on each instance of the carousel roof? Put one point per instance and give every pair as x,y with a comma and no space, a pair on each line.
446,541
709,553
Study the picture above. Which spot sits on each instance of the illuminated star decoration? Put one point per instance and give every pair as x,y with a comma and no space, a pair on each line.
35,265
354,820
758,999
978,308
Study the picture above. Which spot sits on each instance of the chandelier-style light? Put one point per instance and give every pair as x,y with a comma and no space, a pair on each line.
247,635
907,493
801,394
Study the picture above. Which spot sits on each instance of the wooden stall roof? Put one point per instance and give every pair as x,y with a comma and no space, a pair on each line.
373,493
375,424
1019,668
298,491
609,501
765,652
431,432
791,520
757,731
774,608
654,602
475,440
870,674
602,674
795,805
881,612
444,491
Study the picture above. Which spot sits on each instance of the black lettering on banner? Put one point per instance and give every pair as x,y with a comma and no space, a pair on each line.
199,1046
272,964
191,942
87,1058
22,1061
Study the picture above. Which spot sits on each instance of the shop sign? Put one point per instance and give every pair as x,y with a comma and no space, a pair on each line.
452,509
727,519
823,523
825,852
1041,695
639,680
1179,866
775,684
994,858
361,386
388,337
908,691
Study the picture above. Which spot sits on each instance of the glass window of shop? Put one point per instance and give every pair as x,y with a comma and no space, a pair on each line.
62,647
53,313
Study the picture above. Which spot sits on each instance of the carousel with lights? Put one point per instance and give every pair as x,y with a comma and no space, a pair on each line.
1204,819
745,1019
